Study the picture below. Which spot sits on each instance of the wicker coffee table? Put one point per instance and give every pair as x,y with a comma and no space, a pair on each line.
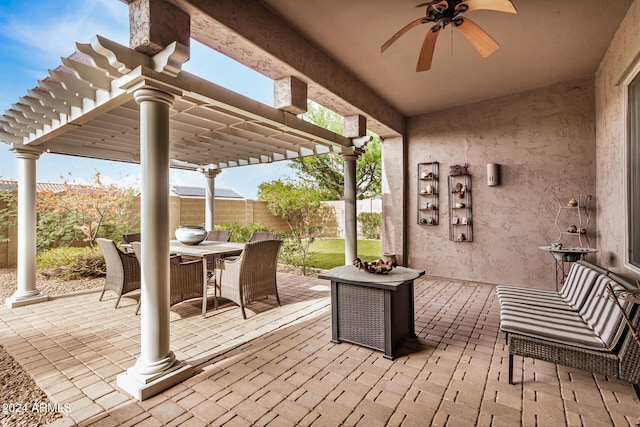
372,310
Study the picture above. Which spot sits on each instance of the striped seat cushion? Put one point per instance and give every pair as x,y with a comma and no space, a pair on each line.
602,314
557,325
578,285
531,297
572,296
598,325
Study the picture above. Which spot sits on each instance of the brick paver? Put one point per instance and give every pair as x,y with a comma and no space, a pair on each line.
280,368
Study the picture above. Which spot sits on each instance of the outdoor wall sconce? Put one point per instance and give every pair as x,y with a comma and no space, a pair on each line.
493,174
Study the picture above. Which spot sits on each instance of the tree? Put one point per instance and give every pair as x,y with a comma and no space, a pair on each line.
94,210
294,202
326,171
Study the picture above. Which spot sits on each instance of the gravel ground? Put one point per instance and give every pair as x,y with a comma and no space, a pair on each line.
23,403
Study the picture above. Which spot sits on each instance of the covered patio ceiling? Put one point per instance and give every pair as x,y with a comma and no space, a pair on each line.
85,107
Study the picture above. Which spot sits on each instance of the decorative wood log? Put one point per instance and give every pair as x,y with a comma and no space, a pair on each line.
376,267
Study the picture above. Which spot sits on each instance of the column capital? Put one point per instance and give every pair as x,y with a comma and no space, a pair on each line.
211,173
351,153
26,152
149,94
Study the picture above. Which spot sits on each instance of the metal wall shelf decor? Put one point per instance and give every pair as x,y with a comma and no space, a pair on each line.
460,218
428,176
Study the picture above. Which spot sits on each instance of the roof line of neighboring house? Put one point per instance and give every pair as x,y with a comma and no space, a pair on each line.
178,190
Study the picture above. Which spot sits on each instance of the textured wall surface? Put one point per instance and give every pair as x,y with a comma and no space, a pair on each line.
545,141
393,198
154,25
617,63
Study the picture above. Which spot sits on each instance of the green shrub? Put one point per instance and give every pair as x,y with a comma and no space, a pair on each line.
71,263
8,210
115,231
55,229
370,224
241,233
295,250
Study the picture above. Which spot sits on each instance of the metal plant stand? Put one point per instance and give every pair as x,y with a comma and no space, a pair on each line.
572,221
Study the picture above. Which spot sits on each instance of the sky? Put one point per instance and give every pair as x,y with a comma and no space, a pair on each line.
35,34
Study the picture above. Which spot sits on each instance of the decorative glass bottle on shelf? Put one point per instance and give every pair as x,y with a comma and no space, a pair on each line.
428,213
460,218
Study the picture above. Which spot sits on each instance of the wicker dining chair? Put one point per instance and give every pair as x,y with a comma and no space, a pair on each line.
257,236
216,236
131,237
185,279
250,276
219,235
123,270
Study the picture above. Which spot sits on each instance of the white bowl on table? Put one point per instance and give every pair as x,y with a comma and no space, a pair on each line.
191,234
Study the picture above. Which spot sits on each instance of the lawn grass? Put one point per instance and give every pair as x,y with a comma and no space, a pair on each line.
329,253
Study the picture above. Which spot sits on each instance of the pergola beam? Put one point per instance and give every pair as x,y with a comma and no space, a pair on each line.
252,34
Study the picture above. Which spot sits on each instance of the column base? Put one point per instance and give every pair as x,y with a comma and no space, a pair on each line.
19,300
144,386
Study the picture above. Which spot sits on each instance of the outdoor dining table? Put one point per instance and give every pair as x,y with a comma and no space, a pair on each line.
202,251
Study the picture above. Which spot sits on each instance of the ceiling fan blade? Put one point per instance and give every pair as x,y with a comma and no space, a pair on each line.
497,5
428,46
482,41
397,35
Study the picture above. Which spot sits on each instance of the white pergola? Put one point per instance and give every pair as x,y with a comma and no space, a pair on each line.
111,102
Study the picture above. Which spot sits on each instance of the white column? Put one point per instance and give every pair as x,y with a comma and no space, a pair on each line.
26,292
350,215
210,199
157,368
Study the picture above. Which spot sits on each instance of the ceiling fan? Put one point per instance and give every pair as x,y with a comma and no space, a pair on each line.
445,12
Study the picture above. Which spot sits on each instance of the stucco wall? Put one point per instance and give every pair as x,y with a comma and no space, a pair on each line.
331,214
611,141
394,191
545,141
330,217
244,212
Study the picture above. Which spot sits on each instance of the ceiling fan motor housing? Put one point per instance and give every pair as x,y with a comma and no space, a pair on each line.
444,12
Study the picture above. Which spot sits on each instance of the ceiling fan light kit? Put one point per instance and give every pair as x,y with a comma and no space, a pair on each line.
444,12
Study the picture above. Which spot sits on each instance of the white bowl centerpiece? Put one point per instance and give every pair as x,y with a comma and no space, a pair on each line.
191,234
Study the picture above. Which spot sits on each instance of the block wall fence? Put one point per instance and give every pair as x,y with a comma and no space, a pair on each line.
191,211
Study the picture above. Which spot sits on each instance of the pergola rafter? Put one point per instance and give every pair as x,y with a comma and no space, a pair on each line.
84,107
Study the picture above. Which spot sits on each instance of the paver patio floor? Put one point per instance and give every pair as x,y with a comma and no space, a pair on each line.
279,367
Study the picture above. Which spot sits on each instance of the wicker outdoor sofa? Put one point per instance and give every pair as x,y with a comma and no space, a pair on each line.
581,326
